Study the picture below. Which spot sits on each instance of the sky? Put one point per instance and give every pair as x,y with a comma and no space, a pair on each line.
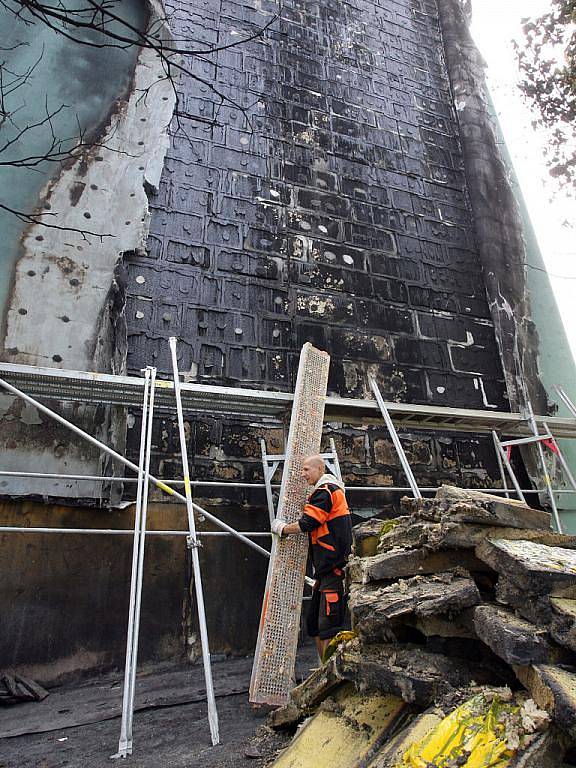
495,23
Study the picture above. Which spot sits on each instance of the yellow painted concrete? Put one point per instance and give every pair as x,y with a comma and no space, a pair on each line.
343,735
393,752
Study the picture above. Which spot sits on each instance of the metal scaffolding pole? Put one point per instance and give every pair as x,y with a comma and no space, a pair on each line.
500,464
396,440
158,483
565,399
563,462
506,461
336,461
193,544
255,486
269,467
547,481
123,531
125,741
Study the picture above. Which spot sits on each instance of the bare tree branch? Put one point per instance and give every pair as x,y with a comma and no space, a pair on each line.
547,61
36,218
97,24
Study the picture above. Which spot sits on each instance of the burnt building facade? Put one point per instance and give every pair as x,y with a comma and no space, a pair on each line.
315,191
326,172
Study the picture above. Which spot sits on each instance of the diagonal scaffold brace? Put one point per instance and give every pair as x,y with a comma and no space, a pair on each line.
395,440
194,544
123,460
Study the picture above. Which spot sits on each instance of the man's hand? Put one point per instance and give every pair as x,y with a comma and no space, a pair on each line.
277,527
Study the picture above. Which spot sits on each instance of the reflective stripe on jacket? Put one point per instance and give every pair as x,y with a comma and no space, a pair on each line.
326,518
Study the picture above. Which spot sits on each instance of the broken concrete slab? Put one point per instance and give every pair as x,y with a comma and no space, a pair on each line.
392,753
457,505
452,535
456,535
349,728
407,534
402,563
515,640
535,568
537,609
544,752
409,671
452,493
460,626
563,621
444,593
307,696
554,690
367,535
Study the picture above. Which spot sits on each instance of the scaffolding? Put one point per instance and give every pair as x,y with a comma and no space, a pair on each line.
108,389
152,394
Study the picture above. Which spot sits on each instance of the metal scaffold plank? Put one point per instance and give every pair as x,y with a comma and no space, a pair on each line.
275,657
86,387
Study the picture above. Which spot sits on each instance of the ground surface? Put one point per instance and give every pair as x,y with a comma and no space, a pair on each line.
78,726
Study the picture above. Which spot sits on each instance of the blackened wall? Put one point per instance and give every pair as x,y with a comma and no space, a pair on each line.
314,190
333,209
64,599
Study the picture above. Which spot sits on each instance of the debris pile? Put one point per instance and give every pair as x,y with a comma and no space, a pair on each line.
464,616
15,688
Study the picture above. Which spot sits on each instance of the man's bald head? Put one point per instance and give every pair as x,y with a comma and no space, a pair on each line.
313,468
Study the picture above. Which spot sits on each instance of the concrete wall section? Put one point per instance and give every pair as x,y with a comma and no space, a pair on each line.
64,600
496,215
316,192
79,84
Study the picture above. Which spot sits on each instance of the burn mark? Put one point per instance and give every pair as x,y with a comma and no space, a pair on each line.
76,190
498,223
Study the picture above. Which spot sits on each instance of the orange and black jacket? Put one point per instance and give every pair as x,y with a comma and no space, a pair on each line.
327,520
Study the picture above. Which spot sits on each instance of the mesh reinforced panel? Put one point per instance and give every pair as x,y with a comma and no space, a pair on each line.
275,658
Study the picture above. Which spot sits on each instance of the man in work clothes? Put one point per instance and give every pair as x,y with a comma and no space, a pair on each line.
326,520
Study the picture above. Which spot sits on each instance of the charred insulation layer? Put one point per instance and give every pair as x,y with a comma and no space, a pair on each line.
497,217
328,205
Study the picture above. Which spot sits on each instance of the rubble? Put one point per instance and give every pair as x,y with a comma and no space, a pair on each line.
403,563
373,609
458,506
514,639
563,623
447,535
554,690
464,607
348,727
416,675
368,533
15,689
535,568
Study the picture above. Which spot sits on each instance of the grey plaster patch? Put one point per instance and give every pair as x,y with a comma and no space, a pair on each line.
71,285
73,273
